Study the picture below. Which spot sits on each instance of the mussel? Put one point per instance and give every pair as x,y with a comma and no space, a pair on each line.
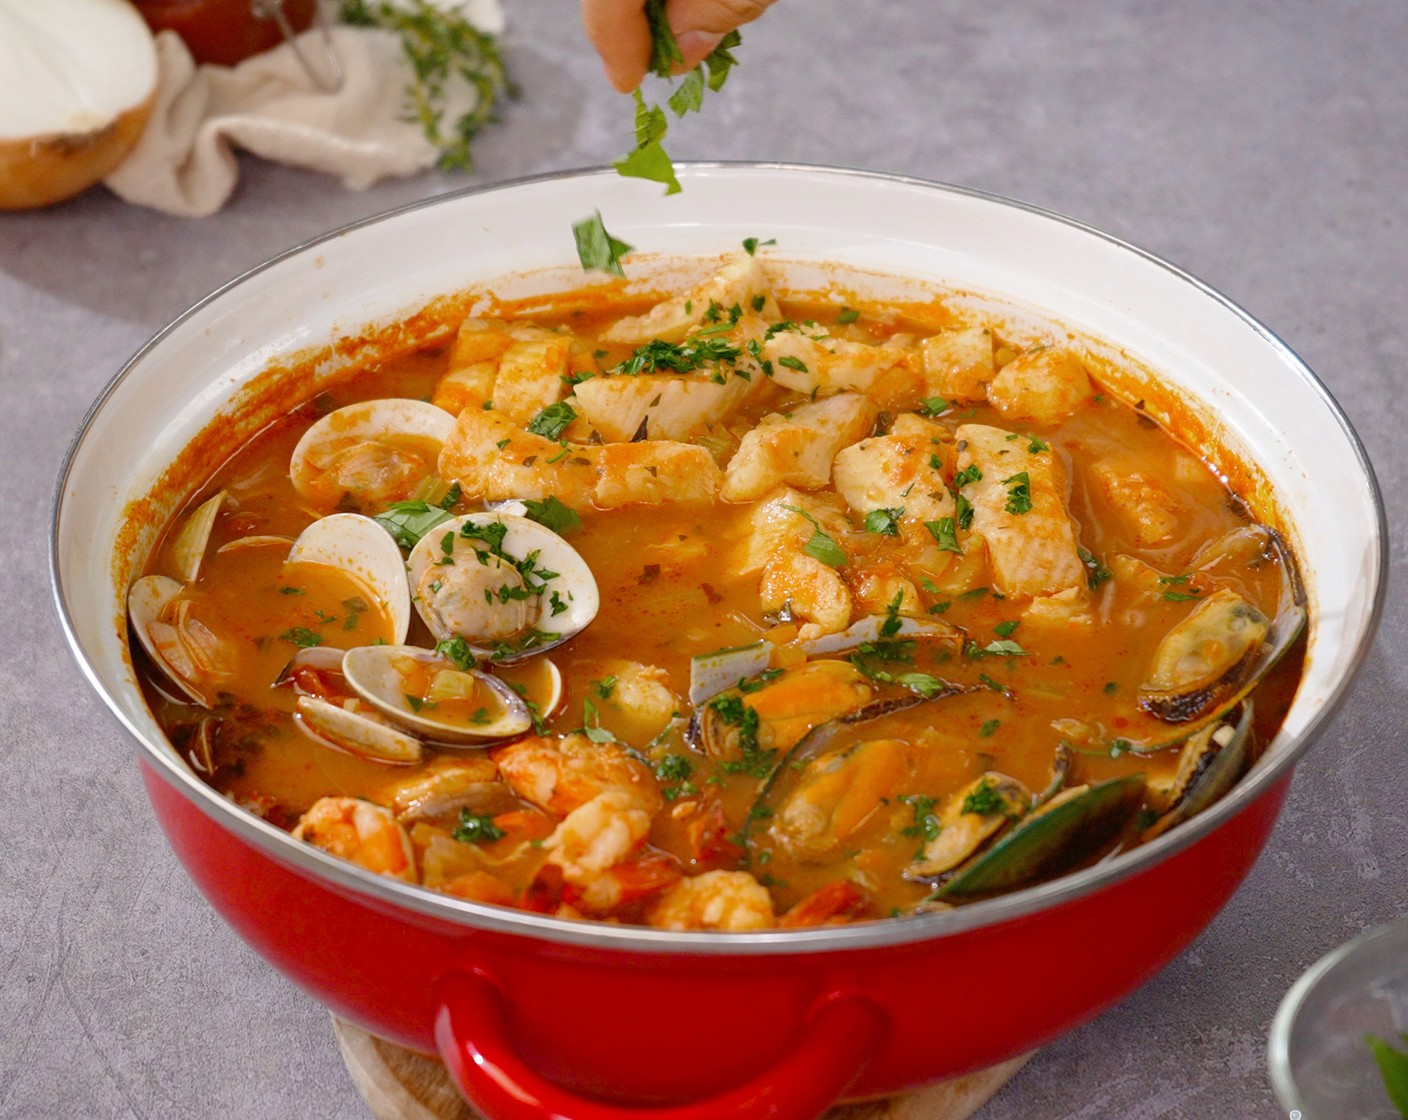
1211,761
1225,646
772,711
1075,826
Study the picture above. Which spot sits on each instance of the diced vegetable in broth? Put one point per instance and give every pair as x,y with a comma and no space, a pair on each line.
726,612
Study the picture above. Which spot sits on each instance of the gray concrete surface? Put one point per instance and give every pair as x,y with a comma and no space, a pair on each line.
1262,145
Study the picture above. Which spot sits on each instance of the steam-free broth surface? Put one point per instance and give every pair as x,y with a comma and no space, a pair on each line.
987,590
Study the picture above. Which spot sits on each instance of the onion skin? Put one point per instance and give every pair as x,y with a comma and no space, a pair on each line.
41,170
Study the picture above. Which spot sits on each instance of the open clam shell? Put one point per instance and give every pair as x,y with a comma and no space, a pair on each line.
431,696
365,551
350,727
511,588
375,452
161,638
188,549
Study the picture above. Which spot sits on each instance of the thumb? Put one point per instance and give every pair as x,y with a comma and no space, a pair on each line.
699,25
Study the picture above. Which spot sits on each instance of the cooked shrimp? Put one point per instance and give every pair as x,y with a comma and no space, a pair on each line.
593,840
359,831
560,775
717,900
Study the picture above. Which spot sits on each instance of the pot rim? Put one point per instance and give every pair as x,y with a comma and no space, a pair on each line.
865,935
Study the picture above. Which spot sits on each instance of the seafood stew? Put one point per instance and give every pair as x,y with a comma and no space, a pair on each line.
722,612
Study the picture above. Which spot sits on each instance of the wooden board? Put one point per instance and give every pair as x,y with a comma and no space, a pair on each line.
398,1084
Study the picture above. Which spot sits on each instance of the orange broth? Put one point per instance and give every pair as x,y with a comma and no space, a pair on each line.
669,591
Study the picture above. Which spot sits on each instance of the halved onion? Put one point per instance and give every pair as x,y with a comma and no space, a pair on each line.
77,83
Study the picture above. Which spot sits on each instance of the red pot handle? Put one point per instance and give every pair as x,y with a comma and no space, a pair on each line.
835,1044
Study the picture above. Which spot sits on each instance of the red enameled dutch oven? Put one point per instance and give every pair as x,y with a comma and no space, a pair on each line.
539,1017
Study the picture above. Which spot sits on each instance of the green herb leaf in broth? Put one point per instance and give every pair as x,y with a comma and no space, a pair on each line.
597,249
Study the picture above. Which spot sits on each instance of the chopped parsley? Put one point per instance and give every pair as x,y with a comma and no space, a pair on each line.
591,724
648,159
751,244
926,824
552,421
822,546
1008,628
603,687
985,800
596,249
968,474
988,728
755,761
408,521
457,650
677,769
933,406
1182,596
790,362
944,531
1095,572
553,514
884,521
848,315
1036,446
963,508
476,829
302,636
693,353
1019,493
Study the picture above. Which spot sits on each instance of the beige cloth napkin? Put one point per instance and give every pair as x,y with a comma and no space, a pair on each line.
185,164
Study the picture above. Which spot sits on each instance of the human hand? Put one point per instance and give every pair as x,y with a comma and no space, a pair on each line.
621,35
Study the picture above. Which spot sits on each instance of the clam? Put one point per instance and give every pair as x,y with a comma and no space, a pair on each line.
372,453
430,695
188,549
1211,762
509,587
184,649
1074,827
365,551
784,705
970,818
353,726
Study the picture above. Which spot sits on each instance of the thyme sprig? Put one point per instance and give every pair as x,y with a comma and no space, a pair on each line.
441,46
